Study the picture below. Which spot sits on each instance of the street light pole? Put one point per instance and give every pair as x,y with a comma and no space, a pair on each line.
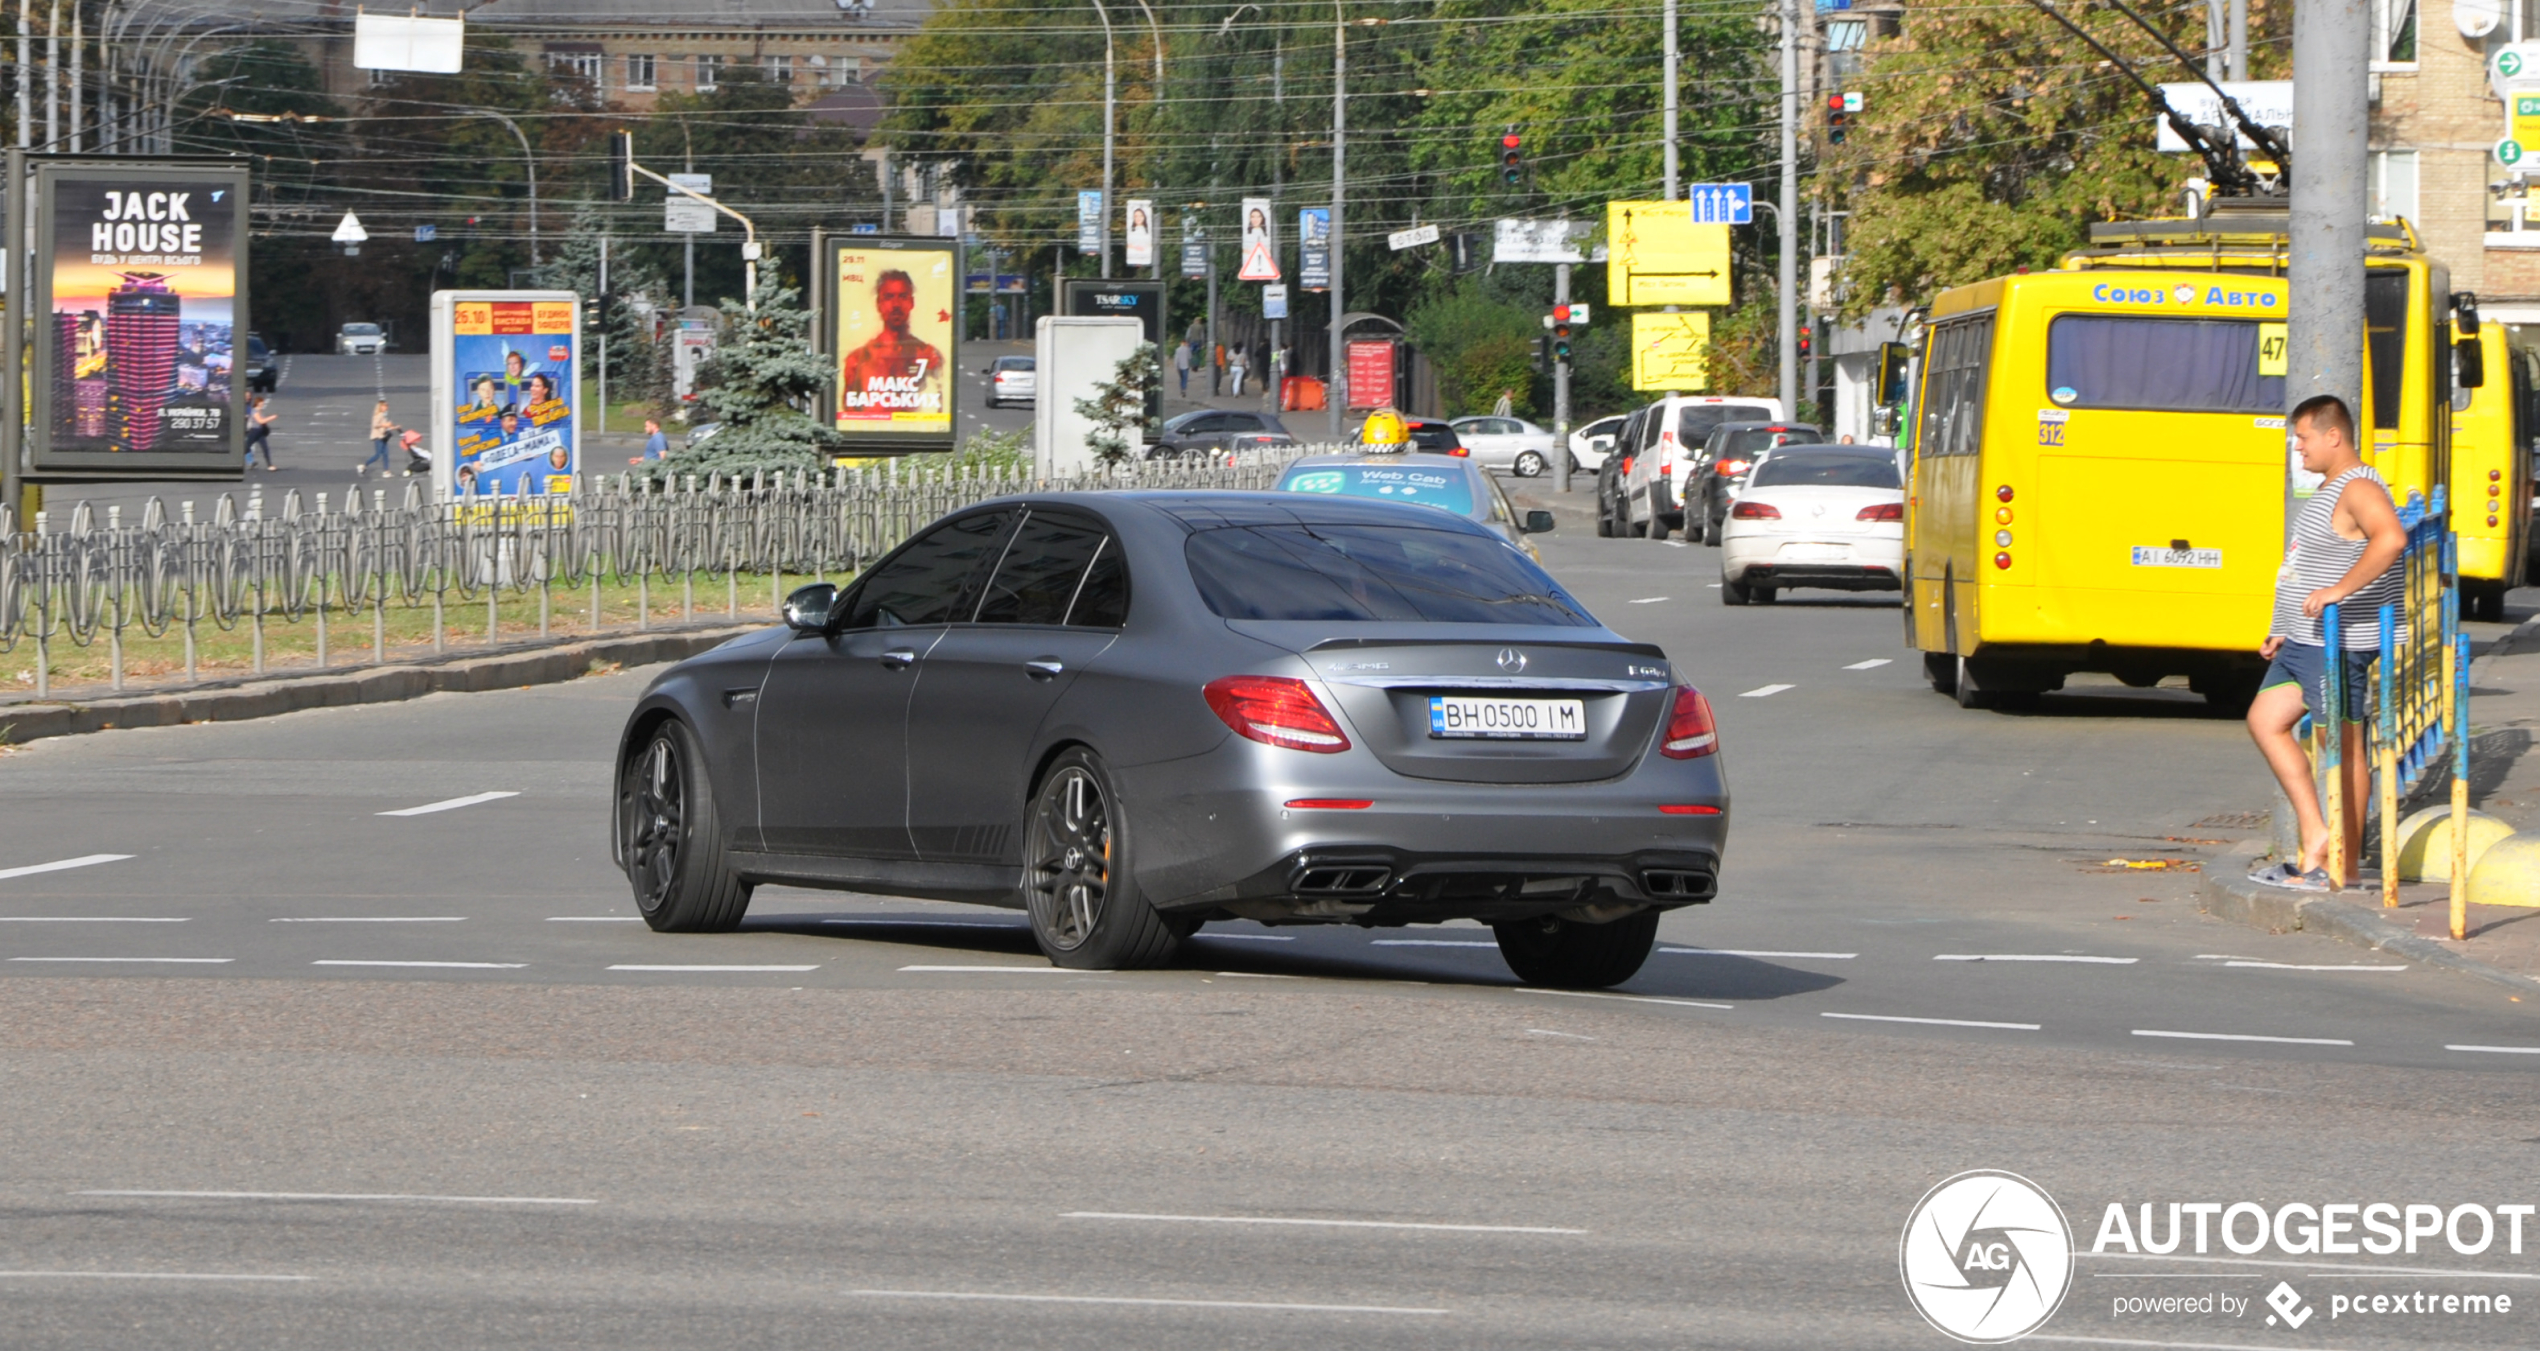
527,159
1110,126
1336,389
1790,210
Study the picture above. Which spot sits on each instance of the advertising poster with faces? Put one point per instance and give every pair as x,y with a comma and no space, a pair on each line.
893,341
512,363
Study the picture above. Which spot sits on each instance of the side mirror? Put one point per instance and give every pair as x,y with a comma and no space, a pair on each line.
808,609
1538,522
1893,357
2469,362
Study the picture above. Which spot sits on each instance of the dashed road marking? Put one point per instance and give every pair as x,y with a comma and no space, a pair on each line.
368,919
1626,998
2033,957
1429,943
2498,1050
1757,952
1872,664
93,919
2290,966
62,865
164,961
1930,1022
2242,1036
144,1276
635,966
1766,692
453,966
1026,970
1308,1222
450,804
985,1297
350,1196
1649,600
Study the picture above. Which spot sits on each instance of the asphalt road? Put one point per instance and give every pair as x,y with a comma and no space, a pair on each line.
282,1070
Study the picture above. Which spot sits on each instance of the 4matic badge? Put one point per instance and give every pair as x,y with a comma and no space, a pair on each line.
1986,1257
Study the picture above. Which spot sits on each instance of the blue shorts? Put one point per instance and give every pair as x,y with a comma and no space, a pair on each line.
2306,665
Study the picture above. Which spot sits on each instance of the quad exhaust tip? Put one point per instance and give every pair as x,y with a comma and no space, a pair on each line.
1342,880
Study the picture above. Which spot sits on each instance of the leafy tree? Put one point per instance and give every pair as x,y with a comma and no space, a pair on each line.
764,380
1481,344
1118,408
632,363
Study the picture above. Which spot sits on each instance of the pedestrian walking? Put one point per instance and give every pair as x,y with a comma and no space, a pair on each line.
1235,371
2344,541
1182,365
383,429
656,445
260,420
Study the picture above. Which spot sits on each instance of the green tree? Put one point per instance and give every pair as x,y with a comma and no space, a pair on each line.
762,385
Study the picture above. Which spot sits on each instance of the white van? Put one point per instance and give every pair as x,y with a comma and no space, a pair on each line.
1661,437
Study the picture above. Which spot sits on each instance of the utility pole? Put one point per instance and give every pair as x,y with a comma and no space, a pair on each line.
1561,368
1110,125
26,62
1272,384
53,78
1670,132
2217,41
1336,389
79,72
1789,212
2239,39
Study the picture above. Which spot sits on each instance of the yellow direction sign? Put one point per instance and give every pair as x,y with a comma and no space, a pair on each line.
1671,351
1657,255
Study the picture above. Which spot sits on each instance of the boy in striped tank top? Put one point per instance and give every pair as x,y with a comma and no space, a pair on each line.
2344,540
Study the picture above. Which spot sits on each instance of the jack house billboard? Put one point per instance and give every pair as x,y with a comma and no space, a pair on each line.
890,335
504,366
140,296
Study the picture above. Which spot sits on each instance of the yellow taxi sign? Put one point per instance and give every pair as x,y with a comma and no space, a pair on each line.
2274,349
1671,351
1656,254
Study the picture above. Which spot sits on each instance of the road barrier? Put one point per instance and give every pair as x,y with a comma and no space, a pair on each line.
2419,698
73,578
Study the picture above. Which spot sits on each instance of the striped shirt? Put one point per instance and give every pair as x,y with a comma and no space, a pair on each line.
2320,557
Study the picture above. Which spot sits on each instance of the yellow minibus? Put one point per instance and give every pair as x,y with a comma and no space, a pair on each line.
2493,424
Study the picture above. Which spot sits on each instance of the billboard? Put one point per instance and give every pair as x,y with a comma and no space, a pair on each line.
1671,351
1260,243
504,371
891,342
140,285
1141,233
1314,248
1657,254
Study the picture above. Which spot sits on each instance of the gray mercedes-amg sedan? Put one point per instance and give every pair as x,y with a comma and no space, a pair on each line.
1131,713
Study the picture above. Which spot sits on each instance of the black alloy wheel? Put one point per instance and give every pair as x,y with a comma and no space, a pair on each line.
1085,908
671,842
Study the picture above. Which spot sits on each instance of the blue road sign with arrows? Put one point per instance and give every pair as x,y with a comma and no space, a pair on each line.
1722,203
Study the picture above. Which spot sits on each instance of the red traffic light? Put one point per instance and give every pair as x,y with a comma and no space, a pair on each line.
1561,314
1511,140
1834,102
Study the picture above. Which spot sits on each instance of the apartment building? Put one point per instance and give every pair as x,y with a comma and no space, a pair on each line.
2438,114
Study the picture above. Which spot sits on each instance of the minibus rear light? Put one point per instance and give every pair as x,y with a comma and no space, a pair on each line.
2001,560
2003,492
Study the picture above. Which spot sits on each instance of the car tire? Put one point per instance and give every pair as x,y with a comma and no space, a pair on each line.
1530,464
1604,519
1087,913
1941,669
1733,593
670,838
1657,519
1567,955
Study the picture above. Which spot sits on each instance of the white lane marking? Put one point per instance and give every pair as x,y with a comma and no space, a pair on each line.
1766,692
1427,943
922,923
595,919
1266,975
2242,1036
1027,970
1648,600
632,966
1757,952
2288,966
1253,938
450,804
1626,998
1872,664
2315,1268
1328,1224
2497,1050
353,1196
369,919
61,865
1547,1032
455,966
90,919
2032,957
2131,1341
171,961
1674,543
143,1276
1715,586
1149,1303
1933,1022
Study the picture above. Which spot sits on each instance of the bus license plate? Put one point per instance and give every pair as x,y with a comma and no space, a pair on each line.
2152,556
1507,719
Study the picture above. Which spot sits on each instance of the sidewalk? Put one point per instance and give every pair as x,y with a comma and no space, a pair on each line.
2503,945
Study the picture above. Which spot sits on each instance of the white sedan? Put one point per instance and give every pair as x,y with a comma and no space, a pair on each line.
1822,516
1589,445
1507,443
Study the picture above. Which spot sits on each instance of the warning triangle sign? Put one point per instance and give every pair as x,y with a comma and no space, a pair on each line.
1259,263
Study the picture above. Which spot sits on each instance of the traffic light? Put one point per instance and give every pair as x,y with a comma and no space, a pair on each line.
1561,325
1535,351
1838,118
1512,166
622,166
1807,341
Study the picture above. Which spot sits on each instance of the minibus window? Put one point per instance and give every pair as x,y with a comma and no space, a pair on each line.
2386,337
1953,423
2167,365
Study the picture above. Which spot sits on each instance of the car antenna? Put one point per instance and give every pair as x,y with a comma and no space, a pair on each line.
2223,162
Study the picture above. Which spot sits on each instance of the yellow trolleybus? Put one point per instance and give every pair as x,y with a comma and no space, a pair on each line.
2493,424
2100,456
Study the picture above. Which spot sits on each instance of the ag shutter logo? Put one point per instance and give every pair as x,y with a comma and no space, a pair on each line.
1986,1257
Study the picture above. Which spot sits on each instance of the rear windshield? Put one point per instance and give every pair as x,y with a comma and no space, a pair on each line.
1695,421
1014,363
1748,442
1362,573
1820,469
1433,436
2171,365
1445,489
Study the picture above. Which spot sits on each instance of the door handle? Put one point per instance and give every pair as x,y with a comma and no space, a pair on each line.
899,659
1044,668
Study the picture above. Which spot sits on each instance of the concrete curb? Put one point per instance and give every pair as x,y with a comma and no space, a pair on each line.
2226,893
367,685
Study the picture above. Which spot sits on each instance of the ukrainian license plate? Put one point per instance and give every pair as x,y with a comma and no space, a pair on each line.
2152,556
1507,719
1816,553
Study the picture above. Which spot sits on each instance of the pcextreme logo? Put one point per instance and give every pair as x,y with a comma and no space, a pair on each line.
1986,1257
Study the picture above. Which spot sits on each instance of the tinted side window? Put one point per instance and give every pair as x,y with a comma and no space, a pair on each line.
1103,601
2386,336
1041,569
929,581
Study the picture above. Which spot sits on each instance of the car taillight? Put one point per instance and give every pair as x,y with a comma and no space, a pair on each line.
1733,468
1883,511
1627,464
1276,711
1457,450
1751,510
1690,731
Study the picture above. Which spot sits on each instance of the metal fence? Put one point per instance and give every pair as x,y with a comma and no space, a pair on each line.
84,578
